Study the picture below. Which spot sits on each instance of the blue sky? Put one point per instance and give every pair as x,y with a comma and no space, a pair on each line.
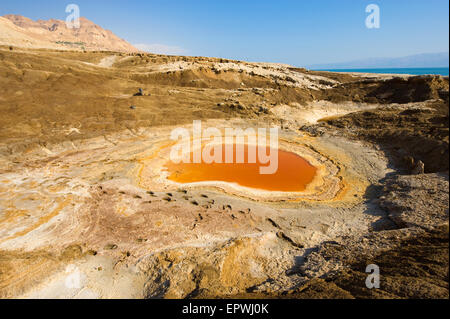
297,32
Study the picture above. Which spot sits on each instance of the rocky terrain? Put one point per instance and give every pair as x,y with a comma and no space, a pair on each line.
83,194
20,31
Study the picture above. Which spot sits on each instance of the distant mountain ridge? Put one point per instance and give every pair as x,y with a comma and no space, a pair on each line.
54,34
426,60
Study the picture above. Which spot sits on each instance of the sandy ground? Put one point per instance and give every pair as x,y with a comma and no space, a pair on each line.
87,213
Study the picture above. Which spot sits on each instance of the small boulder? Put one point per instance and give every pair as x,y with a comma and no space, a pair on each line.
111,246
419,168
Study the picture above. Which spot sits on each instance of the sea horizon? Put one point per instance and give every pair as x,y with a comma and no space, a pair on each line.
444,71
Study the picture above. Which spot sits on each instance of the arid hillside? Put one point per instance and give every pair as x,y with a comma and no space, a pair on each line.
44,93
24,32
83,187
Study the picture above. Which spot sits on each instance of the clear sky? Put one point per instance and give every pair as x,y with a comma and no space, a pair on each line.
297,32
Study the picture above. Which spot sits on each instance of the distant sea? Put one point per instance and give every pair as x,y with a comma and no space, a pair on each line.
414,71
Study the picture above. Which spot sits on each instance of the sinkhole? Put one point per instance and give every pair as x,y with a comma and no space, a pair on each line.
293,174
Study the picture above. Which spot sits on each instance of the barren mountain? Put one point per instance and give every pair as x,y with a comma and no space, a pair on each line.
21,31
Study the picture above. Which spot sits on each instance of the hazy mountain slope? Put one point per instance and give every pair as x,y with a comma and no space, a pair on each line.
426,60
11,34
21,31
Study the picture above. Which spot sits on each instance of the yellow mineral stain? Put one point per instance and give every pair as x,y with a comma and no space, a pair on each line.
42,220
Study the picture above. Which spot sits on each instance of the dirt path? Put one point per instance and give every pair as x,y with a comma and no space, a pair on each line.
108,61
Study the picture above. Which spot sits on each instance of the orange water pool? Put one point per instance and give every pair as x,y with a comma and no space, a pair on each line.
293,175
